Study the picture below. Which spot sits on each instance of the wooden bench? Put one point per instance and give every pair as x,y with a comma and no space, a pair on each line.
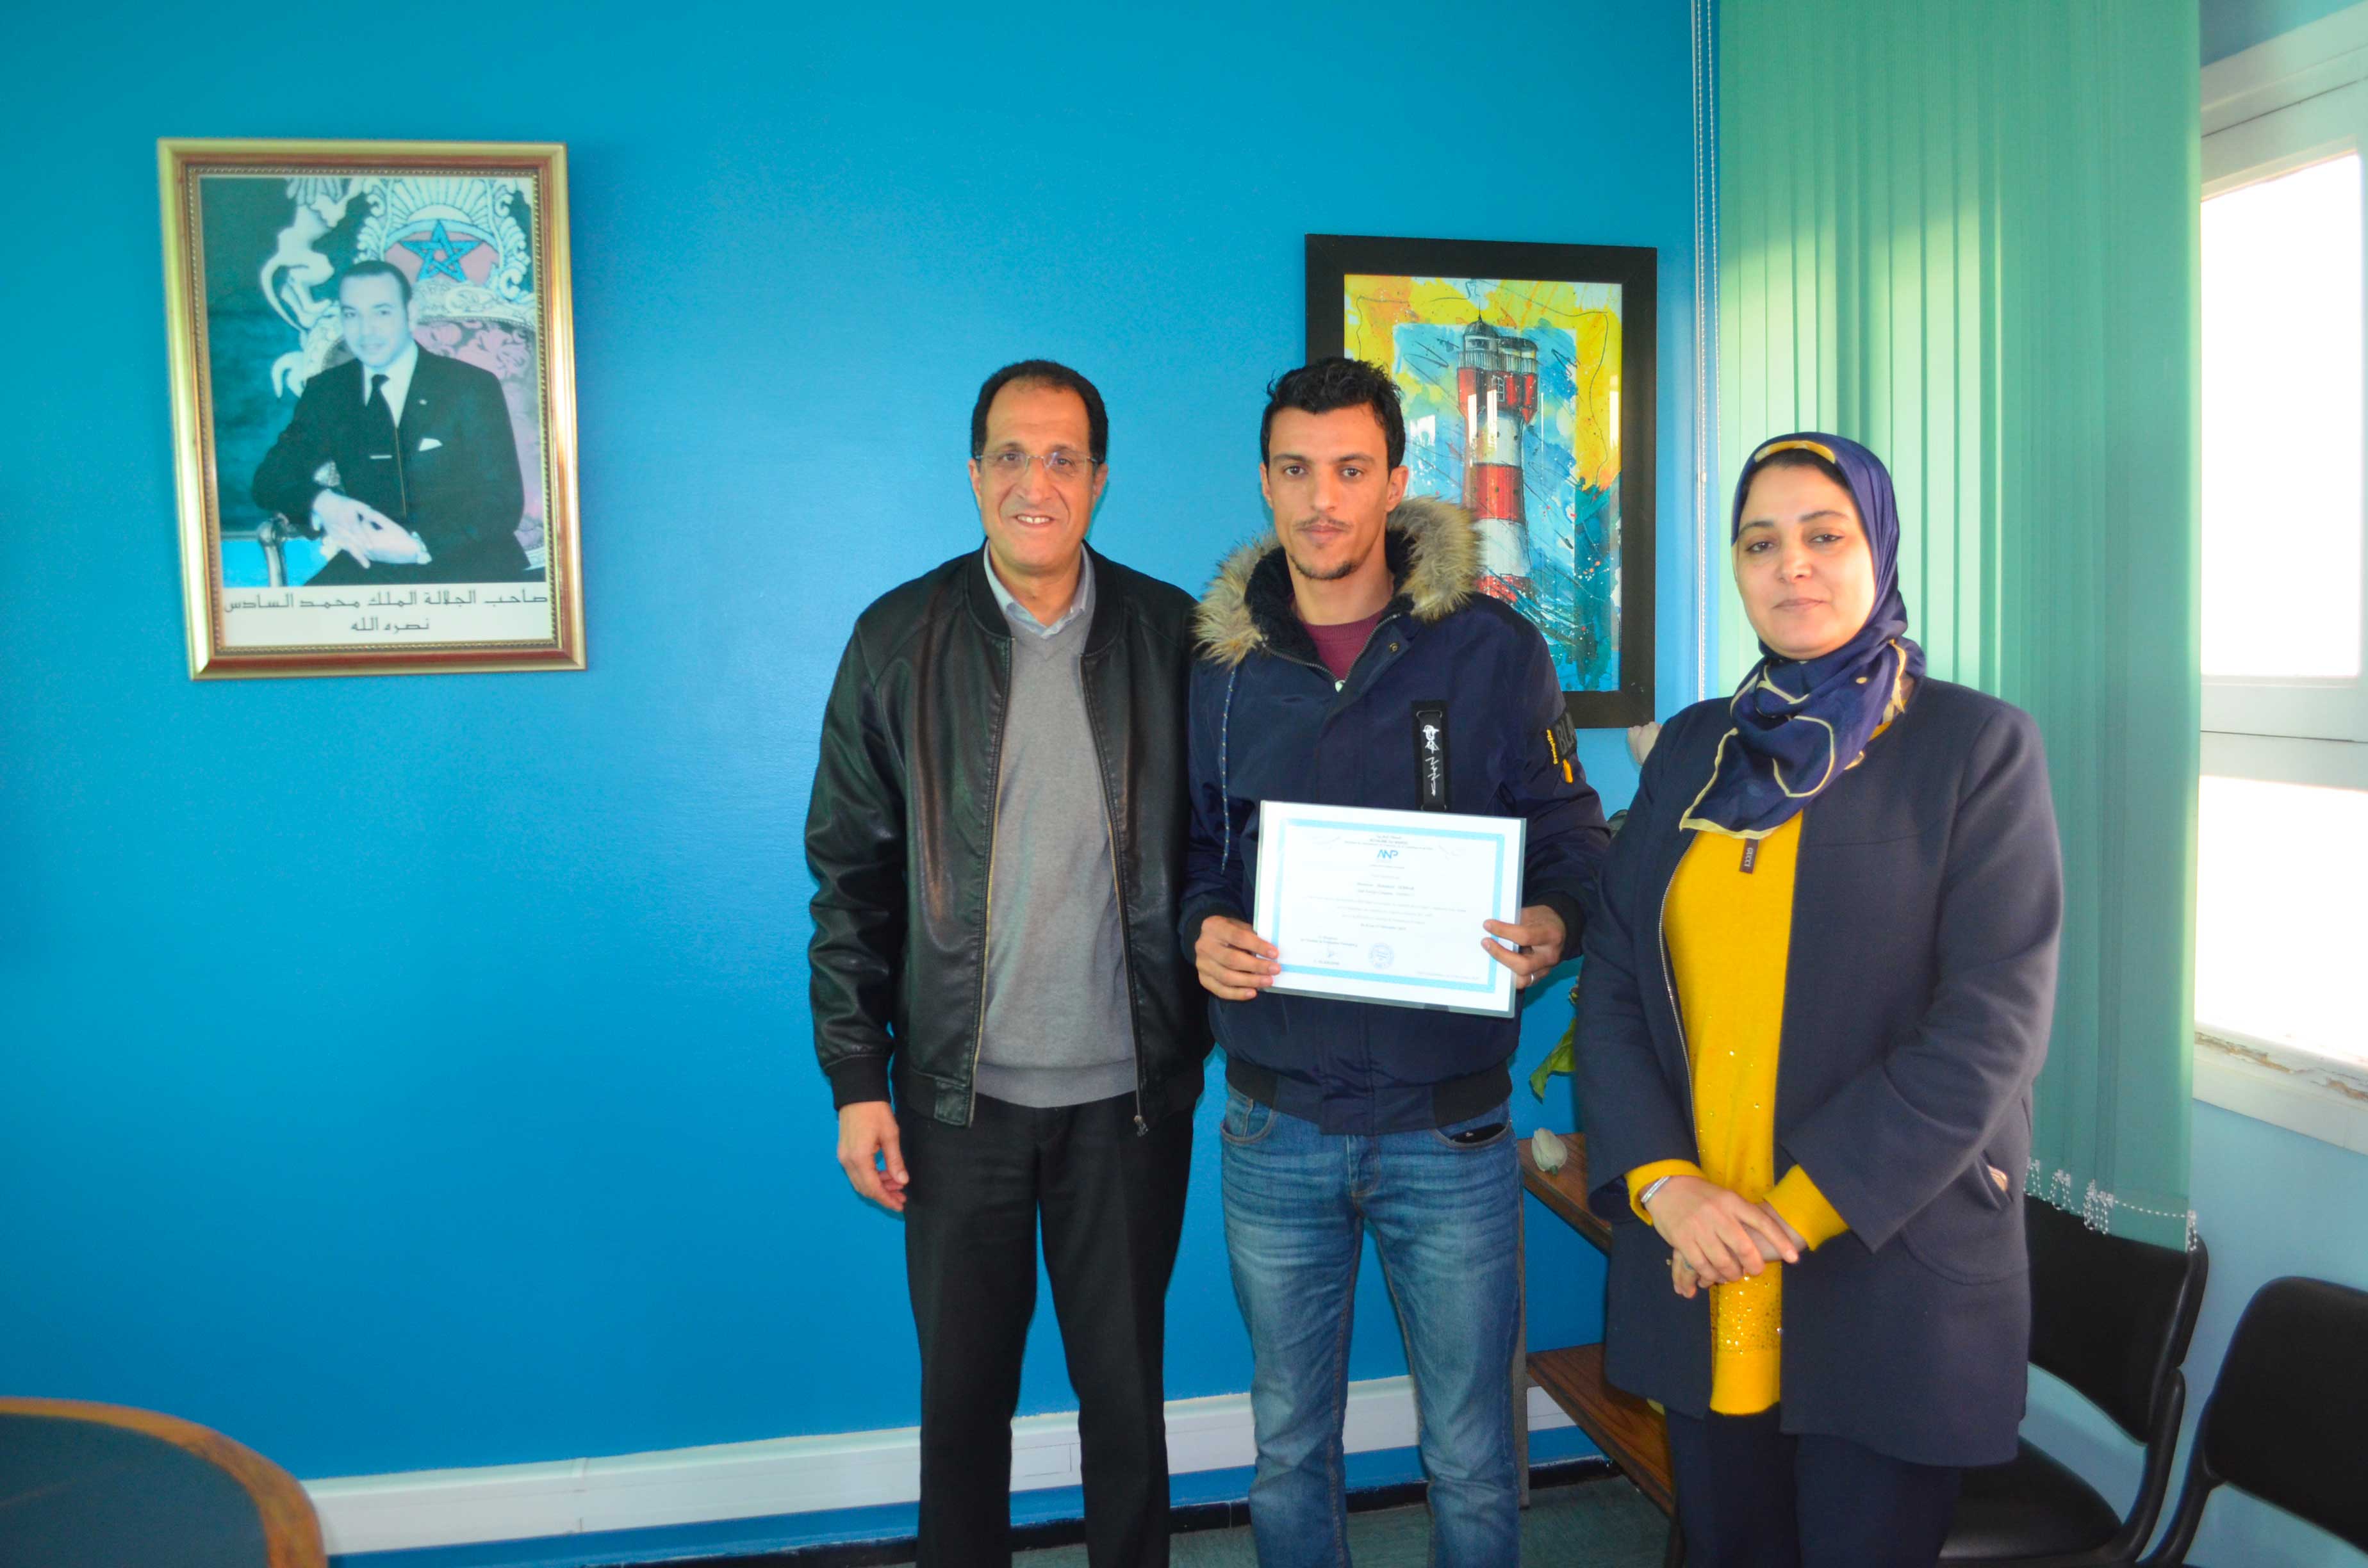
1632,1434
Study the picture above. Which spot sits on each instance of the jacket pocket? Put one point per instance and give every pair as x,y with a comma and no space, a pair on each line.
1972,1232
1997,1182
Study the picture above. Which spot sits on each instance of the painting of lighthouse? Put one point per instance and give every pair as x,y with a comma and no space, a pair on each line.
1496,382
1525,374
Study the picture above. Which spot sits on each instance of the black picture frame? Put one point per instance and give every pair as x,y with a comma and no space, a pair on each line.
1332,260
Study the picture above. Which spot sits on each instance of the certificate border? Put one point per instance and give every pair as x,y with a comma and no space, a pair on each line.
1496,899
1511,833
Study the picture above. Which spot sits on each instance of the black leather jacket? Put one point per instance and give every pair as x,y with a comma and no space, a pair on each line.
900,835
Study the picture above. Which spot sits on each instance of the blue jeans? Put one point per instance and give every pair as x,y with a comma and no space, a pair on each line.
1445,1217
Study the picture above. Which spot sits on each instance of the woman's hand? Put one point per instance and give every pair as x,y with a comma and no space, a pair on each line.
1799,1241
1685,1281
1717,1233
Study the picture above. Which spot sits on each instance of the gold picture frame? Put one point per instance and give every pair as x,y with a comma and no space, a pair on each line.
439,271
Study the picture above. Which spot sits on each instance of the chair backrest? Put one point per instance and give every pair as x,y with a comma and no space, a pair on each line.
2110,1316
2284,1420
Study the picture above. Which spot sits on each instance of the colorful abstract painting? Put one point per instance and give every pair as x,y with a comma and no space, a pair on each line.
1526,374
1512,408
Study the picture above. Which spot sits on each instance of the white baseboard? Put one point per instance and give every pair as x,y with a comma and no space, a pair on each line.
785,1475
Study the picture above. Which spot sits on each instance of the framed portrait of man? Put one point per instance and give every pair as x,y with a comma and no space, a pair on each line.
1525,372
375,407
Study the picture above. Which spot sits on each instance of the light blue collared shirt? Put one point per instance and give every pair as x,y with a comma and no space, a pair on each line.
1020,616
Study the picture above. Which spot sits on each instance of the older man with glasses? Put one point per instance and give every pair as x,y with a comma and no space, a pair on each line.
996,838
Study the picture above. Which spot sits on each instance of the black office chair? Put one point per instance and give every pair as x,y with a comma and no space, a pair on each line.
2112,1317
2284,1420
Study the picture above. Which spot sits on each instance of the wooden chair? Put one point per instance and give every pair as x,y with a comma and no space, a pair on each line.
97,1485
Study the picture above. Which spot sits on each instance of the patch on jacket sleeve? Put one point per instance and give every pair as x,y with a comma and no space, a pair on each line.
1562,739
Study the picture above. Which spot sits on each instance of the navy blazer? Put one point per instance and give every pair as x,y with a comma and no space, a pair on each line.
1917,996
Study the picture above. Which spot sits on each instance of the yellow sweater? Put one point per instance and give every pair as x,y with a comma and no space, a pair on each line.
1729,931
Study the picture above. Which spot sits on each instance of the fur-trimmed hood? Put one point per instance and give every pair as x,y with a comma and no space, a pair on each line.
1434,555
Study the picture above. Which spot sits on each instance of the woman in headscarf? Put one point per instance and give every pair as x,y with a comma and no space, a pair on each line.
1818,981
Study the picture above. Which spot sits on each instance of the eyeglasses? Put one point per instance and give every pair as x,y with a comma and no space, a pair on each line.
1060,463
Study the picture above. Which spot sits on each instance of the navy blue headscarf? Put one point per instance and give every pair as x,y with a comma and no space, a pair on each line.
1800,723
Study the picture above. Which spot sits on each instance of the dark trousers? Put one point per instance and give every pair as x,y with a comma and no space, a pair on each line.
1110,1202
1750,1497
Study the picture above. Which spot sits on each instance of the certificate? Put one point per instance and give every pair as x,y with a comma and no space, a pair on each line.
1385,906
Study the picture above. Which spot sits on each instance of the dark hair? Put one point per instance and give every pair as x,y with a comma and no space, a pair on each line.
375,269
1326,385
1043,373
1790,456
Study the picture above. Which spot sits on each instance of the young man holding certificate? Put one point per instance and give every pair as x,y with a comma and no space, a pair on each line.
1381,783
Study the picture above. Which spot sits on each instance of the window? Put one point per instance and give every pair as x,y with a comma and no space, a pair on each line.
2282,884
2282,433
2282,930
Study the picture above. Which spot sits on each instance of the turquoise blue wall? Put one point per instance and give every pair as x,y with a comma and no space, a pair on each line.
413,1073
2230,26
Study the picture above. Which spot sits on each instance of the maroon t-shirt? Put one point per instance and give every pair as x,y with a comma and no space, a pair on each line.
1338,647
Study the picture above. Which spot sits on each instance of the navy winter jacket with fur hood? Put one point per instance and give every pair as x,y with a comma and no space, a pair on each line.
1268,722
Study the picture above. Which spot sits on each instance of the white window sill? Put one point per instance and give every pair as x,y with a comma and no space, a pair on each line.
2311,1094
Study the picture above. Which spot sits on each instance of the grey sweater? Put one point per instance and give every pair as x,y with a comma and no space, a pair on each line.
1057,1030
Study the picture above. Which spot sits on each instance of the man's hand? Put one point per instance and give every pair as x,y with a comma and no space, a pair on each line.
1719,1237
1235,962
1530,948
364,532
868,1138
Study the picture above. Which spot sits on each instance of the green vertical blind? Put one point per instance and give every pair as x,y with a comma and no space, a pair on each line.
1967,236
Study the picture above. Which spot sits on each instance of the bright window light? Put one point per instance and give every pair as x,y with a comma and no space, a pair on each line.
2279,929
2281,426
